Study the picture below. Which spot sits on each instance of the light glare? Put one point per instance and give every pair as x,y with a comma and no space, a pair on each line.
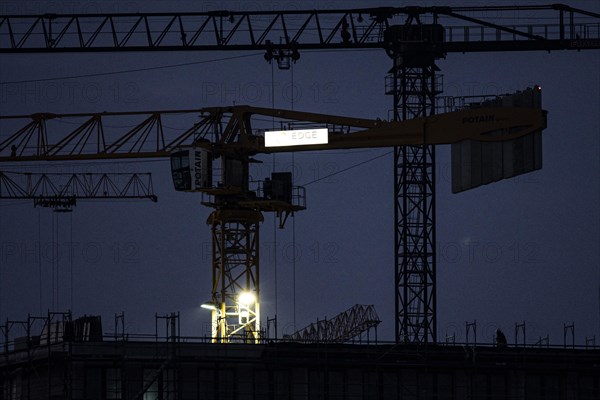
208,306
246,298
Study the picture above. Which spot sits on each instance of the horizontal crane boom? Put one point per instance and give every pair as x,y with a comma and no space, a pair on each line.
465,30
483,124
231,130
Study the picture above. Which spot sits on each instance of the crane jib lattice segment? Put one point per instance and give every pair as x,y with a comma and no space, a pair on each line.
24,185
465,29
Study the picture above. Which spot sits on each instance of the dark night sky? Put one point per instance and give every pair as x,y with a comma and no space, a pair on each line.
521,249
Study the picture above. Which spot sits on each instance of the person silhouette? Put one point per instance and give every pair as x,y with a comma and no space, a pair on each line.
500,339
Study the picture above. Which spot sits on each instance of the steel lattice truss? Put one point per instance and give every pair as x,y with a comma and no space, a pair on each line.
467,29
46,136
235,266
416,244
59,190
340,329
414,91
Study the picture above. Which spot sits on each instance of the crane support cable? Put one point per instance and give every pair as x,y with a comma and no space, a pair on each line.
157,67
348,168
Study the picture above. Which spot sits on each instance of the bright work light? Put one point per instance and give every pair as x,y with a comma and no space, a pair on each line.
246,298
209,306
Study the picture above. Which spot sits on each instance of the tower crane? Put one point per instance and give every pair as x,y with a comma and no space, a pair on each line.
413,37
229,134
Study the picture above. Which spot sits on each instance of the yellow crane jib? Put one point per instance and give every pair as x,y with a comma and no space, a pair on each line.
192,165
482,124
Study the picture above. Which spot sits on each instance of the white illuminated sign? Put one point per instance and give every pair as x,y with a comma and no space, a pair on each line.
296,137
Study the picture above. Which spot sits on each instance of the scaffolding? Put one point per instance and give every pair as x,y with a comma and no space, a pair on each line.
58,357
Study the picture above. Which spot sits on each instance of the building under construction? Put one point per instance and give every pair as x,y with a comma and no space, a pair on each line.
338,360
